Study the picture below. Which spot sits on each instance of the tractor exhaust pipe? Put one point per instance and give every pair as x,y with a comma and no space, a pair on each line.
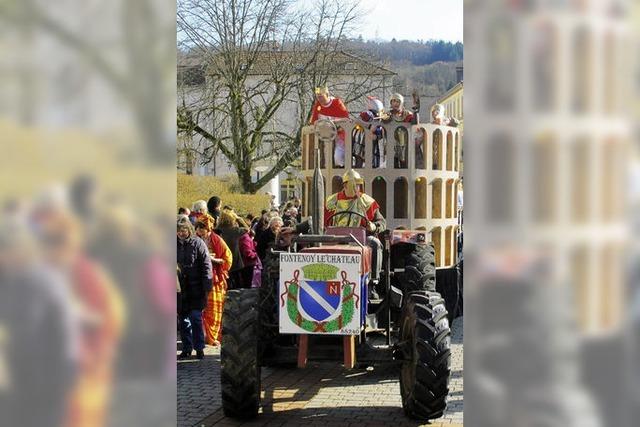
317,198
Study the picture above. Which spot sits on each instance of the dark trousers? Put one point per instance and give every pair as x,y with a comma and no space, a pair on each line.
241,279
191,330
376,256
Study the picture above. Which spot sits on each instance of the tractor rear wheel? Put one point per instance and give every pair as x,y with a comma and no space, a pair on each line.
425,347
239,364
419,263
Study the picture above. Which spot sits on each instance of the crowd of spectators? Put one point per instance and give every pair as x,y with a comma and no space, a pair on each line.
220,249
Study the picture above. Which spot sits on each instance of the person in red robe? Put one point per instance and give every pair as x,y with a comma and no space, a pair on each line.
329,107
221,260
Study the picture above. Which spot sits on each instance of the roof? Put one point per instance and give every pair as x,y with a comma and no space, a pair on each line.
189,59
342,63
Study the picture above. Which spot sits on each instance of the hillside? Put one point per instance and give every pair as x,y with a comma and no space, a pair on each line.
428,66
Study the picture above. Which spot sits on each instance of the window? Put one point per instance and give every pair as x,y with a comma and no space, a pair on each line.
436,198
420,202
449,151
448,245
336,184
449,199
436,237
420,144
379,193
456,151
437,150
311,153
338,147
400,158
357,147
379,148
400,198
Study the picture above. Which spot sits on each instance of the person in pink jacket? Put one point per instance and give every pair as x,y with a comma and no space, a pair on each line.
242,248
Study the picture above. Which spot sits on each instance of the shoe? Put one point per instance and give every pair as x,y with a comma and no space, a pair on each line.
184,355
200,354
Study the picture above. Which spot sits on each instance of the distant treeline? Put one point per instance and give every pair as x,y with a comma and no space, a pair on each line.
413,52
426,66
431,81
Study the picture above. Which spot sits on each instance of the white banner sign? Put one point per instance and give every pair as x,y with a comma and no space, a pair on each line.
320,293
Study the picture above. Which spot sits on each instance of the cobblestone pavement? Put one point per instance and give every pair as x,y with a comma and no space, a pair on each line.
324,394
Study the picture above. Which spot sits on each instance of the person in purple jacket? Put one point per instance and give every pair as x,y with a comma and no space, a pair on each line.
196,281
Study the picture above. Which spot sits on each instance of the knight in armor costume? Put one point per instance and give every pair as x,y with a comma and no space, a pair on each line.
358,147
397,112
352,199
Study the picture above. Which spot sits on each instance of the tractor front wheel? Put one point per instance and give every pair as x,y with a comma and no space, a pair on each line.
239,364
425,348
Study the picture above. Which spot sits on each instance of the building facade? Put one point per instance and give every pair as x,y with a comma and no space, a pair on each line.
347,71
453,103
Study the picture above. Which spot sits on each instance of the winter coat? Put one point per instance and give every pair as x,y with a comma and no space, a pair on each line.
196,273
231,237
248,250
266,240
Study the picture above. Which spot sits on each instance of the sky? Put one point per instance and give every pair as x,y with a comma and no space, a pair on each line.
412,20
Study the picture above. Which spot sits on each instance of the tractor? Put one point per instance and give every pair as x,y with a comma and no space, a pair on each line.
326,292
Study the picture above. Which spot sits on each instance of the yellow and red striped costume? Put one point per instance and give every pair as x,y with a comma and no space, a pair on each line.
212,314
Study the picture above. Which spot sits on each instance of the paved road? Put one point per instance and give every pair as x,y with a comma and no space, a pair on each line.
323,394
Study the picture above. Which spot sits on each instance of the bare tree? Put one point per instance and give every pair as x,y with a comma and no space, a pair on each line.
261,57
